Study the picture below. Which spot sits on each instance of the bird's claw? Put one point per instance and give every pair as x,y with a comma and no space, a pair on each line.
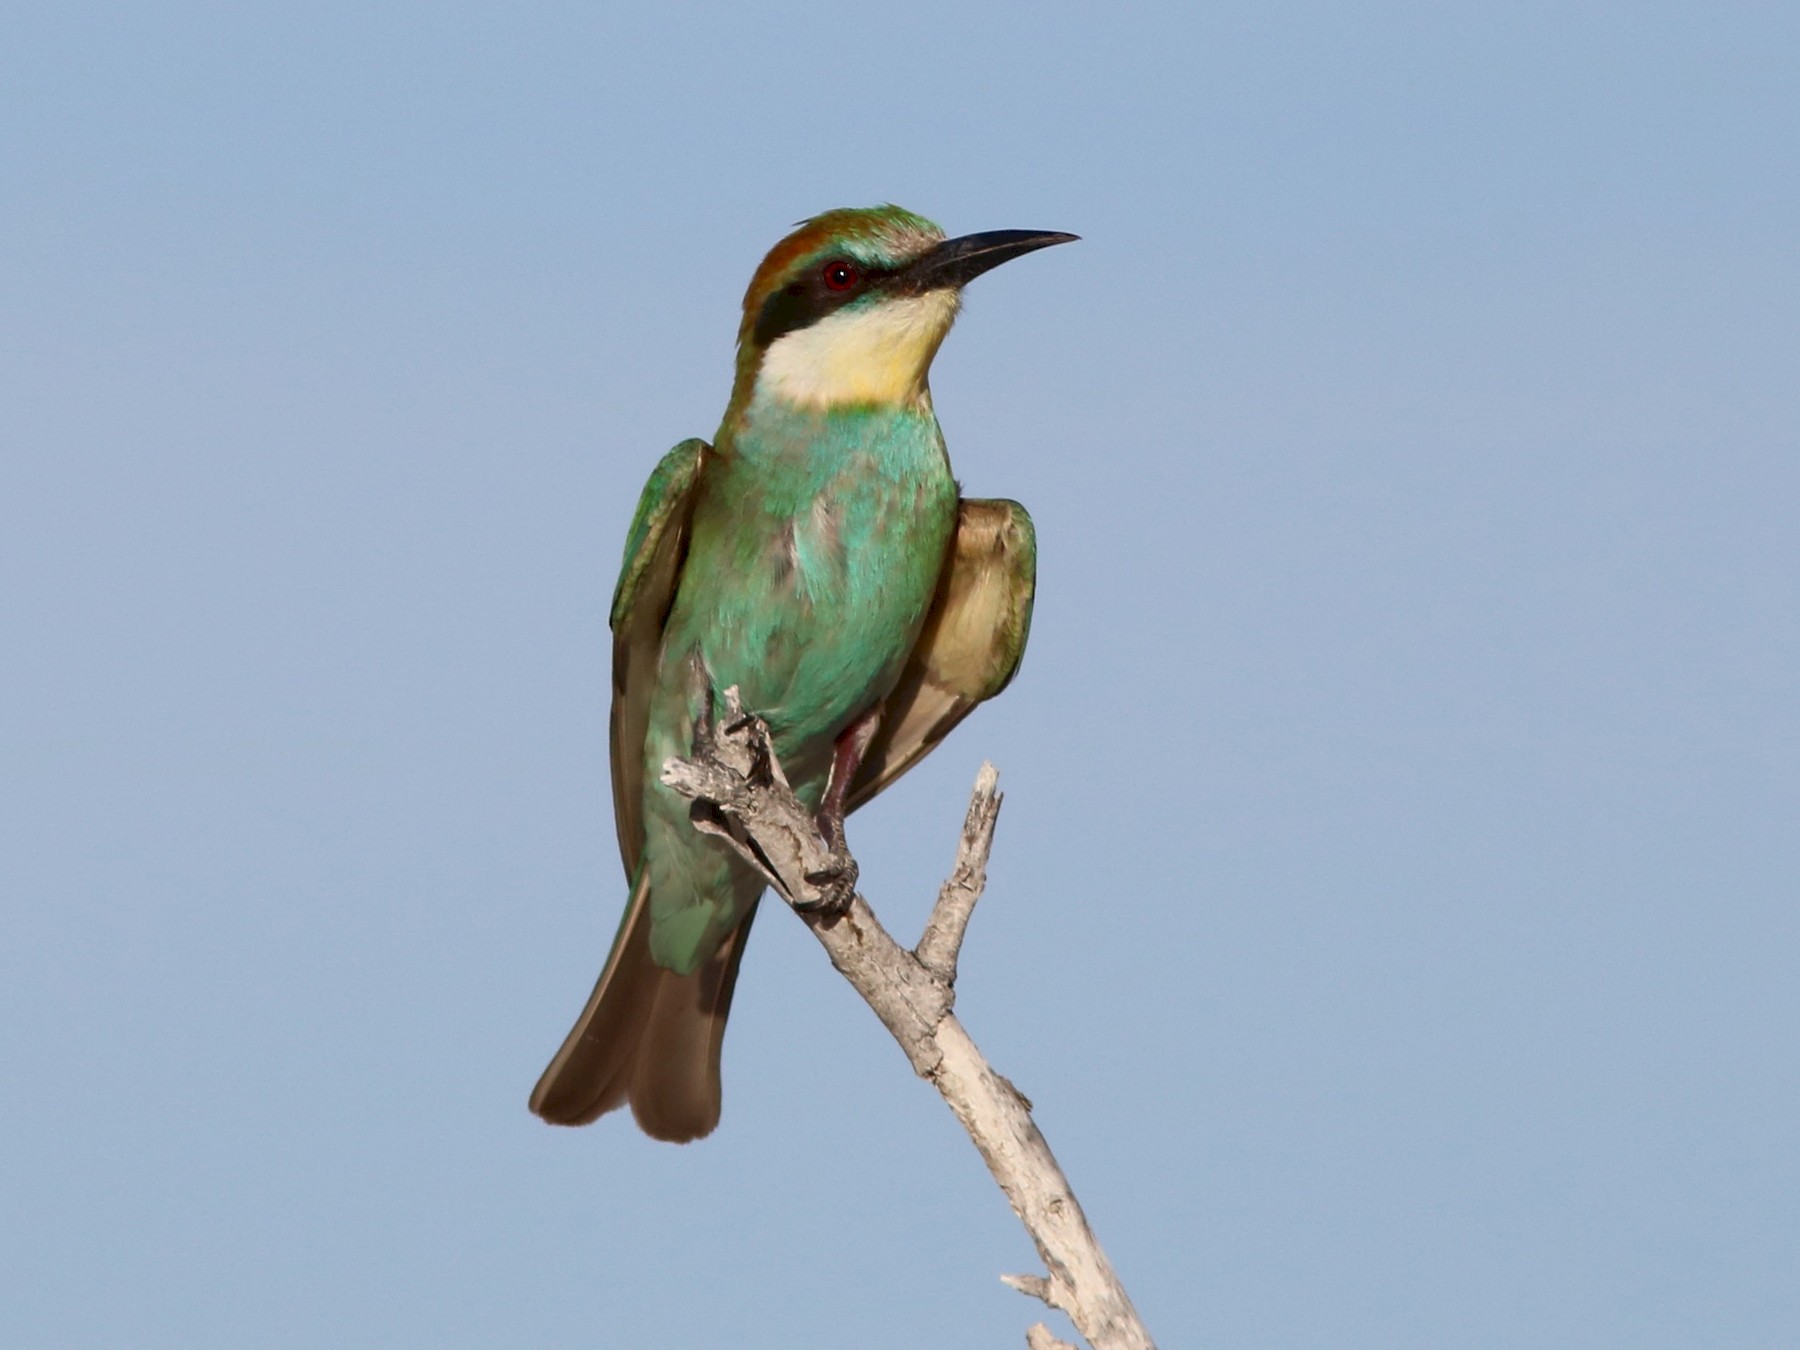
833,887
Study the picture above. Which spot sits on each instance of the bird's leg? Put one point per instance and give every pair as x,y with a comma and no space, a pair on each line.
837,881
846,757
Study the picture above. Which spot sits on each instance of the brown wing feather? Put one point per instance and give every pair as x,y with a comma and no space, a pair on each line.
647,1036
970,646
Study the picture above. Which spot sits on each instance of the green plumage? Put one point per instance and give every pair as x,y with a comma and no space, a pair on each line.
818,558
815,548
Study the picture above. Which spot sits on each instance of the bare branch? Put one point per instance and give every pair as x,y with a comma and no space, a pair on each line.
741,795
1038,1337
1032,1286
941,943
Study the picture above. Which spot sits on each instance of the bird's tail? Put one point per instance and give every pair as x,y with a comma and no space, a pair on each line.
648,1037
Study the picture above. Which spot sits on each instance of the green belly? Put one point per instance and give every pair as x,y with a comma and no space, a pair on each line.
813,557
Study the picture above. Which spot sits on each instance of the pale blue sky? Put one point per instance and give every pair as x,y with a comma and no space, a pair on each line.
1394,912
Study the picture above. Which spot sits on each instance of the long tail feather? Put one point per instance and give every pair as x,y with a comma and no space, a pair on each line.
648,1037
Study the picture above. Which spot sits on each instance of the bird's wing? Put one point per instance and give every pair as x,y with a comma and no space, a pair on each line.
970,645
647,1035
655,549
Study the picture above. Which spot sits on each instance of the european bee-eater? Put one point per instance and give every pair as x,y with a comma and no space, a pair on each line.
817,556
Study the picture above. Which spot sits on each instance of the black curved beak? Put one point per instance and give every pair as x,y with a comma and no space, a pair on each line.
957,262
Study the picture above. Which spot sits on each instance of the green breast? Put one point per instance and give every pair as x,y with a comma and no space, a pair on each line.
813,556
814,553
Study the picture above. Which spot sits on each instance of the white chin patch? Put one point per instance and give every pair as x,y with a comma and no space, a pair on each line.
877,353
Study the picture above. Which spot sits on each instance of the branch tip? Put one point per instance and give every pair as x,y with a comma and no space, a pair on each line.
941,943
1032,1286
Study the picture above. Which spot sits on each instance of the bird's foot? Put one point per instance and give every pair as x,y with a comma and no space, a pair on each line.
833,887
835,879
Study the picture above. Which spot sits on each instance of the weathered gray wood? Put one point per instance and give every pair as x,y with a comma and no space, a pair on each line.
741,795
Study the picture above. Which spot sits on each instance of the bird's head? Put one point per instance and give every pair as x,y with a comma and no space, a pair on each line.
850,308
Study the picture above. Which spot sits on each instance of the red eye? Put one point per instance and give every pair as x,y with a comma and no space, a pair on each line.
840,275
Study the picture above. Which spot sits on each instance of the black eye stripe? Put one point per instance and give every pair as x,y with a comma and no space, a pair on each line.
806,299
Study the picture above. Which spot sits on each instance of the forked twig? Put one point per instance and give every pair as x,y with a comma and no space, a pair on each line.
741,795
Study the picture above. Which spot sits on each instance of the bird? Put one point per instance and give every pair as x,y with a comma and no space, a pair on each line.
817,554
